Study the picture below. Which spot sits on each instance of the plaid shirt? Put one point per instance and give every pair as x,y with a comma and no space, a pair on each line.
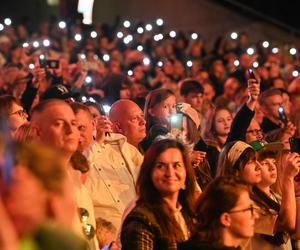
141,231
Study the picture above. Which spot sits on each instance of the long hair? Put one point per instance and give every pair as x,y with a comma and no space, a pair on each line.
6,103
220,196
210,132
226,167
150,197
153,98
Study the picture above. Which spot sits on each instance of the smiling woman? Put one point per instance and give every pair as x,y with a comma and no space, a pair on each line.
163,213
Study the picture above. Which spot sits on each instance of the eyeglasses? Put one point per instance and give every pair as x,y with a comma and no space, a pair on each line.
255,131
252,209
20,112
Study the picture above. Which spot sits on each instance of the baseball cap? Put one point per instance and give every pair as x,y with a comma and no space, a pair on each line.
59,91
263,147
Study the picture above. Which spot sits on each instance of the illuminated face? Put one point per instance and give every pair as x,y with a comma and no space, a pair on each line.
132,124
169,173
272,105
268,171
86,127
195,100
165,108
17,117
242,218
58,128
252,172
223,122
254,132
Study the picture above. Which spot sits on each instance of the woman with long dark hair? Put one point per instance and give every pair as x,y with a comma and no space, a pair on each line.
163,215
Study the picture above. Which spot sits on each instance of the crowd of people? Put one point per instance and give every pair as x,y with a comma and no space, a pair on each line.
130,136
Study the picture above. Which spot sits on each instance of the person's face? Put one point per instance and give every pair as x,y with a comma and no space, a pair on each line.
125,93
195,100
94,111
254,132
137,90
230,87
268,171
169,173
86,126
252,172
223,122
241,219
133,124
272,105
209,92
25,201
165,108
58,127
287,103
17,117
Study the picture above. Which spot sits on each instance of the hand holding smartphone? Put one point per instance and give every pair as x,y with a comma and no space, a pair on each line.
295,147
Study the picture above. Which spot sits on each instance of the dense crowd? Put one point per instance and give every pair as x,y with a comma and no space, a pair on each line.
131,136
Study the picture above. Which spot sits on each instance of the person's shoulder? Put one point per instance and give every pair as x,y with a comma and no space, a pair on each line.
203,245
52,237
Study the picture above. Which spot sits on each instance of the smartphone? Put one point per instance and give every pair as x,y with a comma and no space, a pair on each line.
251,74
176,121
294,144
42,61
295,147
282,115
52,64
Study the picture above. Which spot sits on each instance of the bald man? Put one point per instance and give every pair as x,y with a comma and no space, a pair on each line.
128,119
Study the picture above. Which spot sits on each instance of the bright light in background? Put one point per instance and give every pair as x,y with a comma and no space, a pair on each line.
148,27
275,50
84,99
91,99
120,34
293,51
31,66
236,63
160,64
86,8
88,79
250,51
130,72
106,57
42,57
46,43
25,45
159,22
78,37
7,21
126,24
194,36
140,30
140,48
189,63
158,37
234,35
172,34
146,61
62,25
255,64
128,39
36,44
1,26
94,34
265,44
106,108
295,73
82,56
